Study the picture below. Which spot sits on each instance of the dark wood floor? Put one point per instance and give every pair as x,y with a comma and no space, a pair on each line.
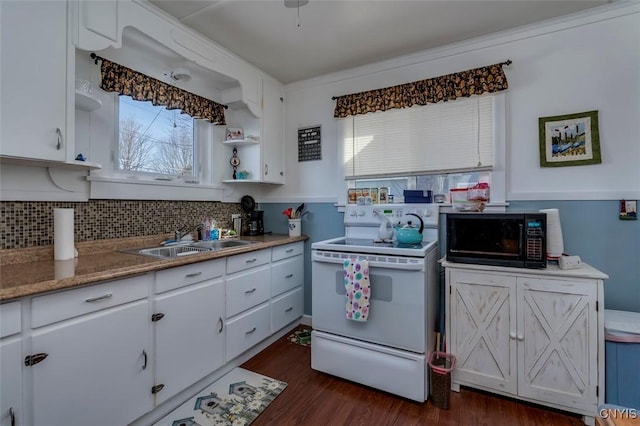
314,398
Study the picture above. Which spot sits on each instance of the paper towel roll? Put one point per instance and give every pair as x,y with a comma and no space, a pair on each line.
65,268
555,243
63,245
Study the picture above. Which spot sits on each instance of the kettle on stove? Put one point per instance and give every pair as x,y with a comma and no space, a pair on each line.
408,234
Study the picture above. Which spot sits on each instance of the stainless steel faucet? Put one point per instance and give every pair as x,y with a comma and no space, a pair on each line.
179,233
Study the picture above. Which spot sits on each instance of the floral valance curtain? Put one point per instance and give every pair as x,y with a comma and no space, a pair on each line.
125,81
448,87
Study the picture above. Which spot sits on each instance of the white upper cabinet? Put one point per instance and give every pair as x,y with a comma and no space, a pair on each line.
272,132
97,26
35,92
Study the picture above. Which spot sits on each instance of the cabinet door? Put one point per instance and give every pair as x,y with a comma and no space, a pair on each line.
11,383
287,274
33,80
483,327
272,132
97,24
190,336
96,371
557,349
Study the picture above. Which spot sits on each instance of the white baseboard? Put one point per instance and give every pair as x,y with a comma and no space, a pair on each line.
306,320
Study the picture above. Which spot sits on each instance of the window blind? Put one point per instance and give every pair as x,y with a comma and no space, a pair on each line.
438,138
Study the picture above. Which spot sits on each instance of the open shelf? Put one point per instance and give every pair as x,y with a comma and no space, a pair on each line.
86,102
241,142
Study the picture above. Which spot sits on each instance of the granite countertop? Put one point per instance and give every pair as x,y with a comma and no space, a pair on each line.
27,272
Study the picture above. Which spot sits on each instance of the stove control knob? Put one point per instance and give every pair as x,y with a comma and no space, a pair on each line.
352,212
360,212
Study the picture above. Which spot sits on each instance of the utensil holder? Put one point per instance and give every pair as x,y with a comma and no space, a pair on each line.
295,227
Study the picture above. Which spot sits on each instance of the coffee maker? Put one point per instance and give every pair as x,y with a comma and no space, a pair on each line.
256,223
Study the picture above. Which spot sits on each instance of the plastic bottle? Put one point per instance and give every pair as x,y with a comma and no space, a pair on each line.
205,234
215,232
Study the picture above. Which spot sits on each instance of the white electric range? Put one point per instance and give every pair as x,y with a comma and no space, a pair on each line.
389,350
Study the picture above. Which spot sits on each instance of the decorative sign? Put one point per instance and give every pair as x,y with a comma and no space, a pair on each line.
309,146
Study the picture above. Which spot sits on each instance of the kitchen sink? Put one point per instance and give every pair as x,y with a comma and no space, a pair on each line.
170,251
179,250
219,244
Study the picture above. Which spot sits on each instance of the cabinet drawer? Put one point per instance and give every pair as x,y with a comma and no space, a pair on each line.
181,276
247,330
282,252
287,274
10,319
244,261
286,308
72,303
247,289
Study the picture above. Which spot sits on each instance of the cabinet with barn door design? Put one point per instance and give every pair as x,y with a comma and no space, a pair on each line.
537,335
88,356
189,325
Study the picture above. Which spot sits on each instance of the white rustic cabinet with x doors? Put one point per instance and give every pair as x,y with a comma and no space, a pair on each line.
537,335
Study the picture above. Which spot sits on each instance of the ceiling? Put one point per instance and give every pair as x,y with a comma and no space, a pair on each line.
337,35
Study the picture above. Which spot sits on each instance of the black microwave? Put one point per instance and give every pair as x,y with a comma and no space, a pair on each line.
502,239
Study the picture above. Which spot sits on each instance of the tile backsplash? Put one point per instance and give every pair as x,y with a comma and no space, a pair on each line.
30,223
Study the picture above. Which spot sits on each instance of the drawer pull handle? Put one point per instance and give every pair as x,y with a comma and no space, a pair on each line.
157,388
144,354
288,251
289,309
520,337
250,291
250,331
12,415
251,260
157,317
59,134
96,299
194,274
289,276
221,324
30,360
512,335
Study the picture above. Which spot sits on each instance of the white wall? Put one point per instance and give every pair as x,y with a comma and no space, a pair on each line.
588,62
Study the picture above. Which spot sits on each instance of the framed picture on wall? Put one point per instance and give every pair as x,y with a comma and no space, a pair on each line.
569,140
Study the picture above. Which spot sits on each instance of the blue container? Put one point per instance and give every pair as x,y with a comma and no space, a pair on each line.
622,358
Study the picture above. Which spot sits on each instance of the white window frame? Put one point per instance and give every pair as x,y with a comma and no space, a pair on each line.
498,171
112,183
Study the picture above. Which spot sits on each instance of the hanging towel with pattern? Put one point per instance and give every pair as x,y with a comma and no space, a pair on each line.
358,290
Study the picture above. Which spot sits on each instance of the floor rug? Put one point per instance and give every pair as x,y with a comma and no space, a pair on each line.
301,337
237,398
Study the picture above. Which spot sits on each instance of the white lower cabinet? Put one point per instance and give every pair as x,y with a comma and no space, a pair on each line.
11,383
286,308
11,412
189,336
109,353
248,289
535,335
248,329
92,370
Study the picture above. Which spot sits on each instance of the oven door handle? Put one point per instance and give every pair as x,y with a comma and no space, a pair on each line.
411,266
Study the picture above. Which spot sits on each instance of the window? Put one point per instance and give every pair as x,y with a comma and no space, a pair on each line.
153,139
435,147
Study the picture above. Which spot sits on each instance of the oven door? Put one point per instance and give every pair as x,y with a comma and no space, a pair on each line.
397,303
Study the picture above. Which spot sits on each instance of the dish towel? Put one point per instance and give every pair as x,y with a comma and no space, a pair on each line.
358,291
